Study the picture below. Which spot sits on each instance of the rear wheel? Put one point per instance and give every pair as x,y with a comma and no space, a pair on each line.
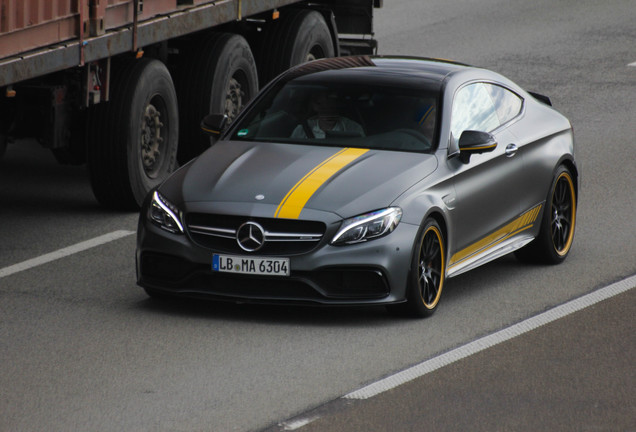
428,268
217,76
556,234
133,138
301,36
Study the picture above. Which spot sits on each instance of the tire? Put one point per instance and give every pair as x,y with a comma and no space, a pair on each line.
217,76
302,35
427,275
558,222
133,138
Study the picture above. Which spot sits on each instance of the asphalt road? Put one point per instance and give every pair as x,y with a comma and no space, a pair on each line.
82,348
575,373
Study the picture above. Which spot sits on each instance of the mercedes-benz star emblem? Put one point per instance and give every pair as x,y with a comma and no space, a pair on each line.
250,236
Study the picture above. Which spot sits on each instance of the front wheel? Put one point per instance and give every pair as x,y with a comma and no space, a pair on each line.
428,268
556,234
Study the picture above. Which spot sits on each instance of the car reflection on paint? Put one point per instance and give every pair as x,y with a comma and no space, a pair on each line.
364,180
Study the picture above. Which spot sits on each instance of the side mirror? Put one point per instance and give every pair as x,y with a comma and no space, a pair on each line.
213,125
473,142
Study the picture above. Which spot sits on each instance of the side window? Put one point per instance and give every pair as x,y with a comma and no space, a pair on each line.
507,104
473,109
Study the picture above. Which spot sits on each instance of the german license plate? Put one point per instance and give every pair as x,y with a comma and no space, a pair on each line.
250,265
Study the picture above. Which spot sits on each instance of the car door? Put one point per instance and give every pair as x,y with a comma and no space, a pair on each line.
488,184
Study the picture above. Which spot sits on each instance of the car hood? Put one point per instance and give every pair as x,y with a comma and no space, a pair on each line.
291,180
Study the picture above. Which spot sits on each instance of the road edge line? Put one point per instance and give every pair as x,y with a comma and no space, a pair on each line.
492,339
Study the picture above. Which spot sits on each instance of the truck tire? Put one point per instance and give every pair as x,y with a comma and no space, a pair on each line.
216,76
301,35
133,138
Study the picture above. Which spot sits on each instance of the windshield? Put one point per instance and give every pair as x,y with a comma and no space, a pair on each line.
344,115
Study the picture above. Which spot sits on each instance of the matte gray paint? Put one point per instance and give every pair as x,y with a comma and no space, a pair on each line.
473,199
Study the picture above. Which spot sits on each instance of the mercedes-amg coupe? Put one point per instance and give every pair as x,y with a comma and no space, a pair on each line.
363,180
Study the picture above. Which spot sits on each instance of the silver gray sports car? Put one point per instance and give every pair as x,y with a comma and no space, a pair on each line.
364,180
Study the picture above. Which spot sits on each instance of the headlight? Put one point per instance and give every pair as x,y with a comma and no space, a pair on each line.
164,214
368,226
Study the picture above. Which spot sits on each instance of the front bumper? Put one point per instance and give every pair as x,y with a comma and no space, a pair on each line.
374,272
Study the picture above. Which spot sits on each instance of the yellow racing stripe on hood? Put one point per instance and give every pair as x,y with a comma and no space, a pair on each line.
295,200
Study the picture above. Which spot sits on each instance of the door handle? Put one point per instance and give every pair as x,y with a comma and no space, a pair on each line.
511,150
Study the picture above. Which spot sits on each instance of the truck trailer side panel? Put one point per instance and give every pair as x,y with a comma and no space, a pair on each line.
36,40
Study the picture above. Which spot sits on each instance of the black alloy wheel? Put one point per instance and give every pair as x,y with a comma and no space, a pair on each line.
563,214
554,241
428,272
430,267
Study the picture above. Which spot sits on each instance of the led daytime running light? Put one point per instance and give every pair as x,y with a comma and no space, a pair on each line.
158,200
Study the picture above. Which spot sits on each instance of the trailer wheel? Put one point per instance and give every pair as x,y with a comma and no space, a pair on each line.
133,142
217,75
302,35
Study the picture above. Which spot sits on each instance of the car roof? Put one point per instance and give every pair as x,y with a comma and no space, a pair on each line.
377,70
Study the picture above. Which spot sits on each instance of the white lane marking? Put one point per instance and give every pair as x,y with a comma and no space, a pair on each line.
492,339
632,64
61,253
293,425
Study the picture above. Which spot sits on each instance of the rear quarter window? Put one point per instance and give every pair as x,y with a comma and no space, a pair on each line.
507,104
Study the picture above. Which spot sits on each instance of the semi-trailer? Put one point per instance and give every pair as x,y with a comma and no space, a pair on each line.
122,85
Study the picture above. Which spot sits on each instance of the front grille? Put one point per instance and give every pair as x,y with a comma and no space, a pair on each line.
282,236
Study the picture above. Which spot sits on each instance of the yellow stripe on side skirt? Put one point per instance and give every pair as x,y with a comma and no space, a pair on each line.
295,200
522,223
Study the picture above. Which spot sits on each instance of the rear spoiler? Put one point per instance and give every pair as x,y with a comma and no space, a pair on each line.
546,100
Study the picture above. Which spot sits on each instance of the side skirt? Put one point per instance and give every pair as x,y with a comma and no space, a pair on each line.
508,238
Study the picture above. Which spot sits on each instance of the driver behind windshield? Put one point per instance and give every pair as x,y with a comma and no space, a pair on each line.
325,116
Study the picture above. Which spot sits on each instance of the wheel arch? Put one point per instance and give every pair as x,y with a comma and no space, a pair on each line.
571,166
441,221
418,207
438,216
